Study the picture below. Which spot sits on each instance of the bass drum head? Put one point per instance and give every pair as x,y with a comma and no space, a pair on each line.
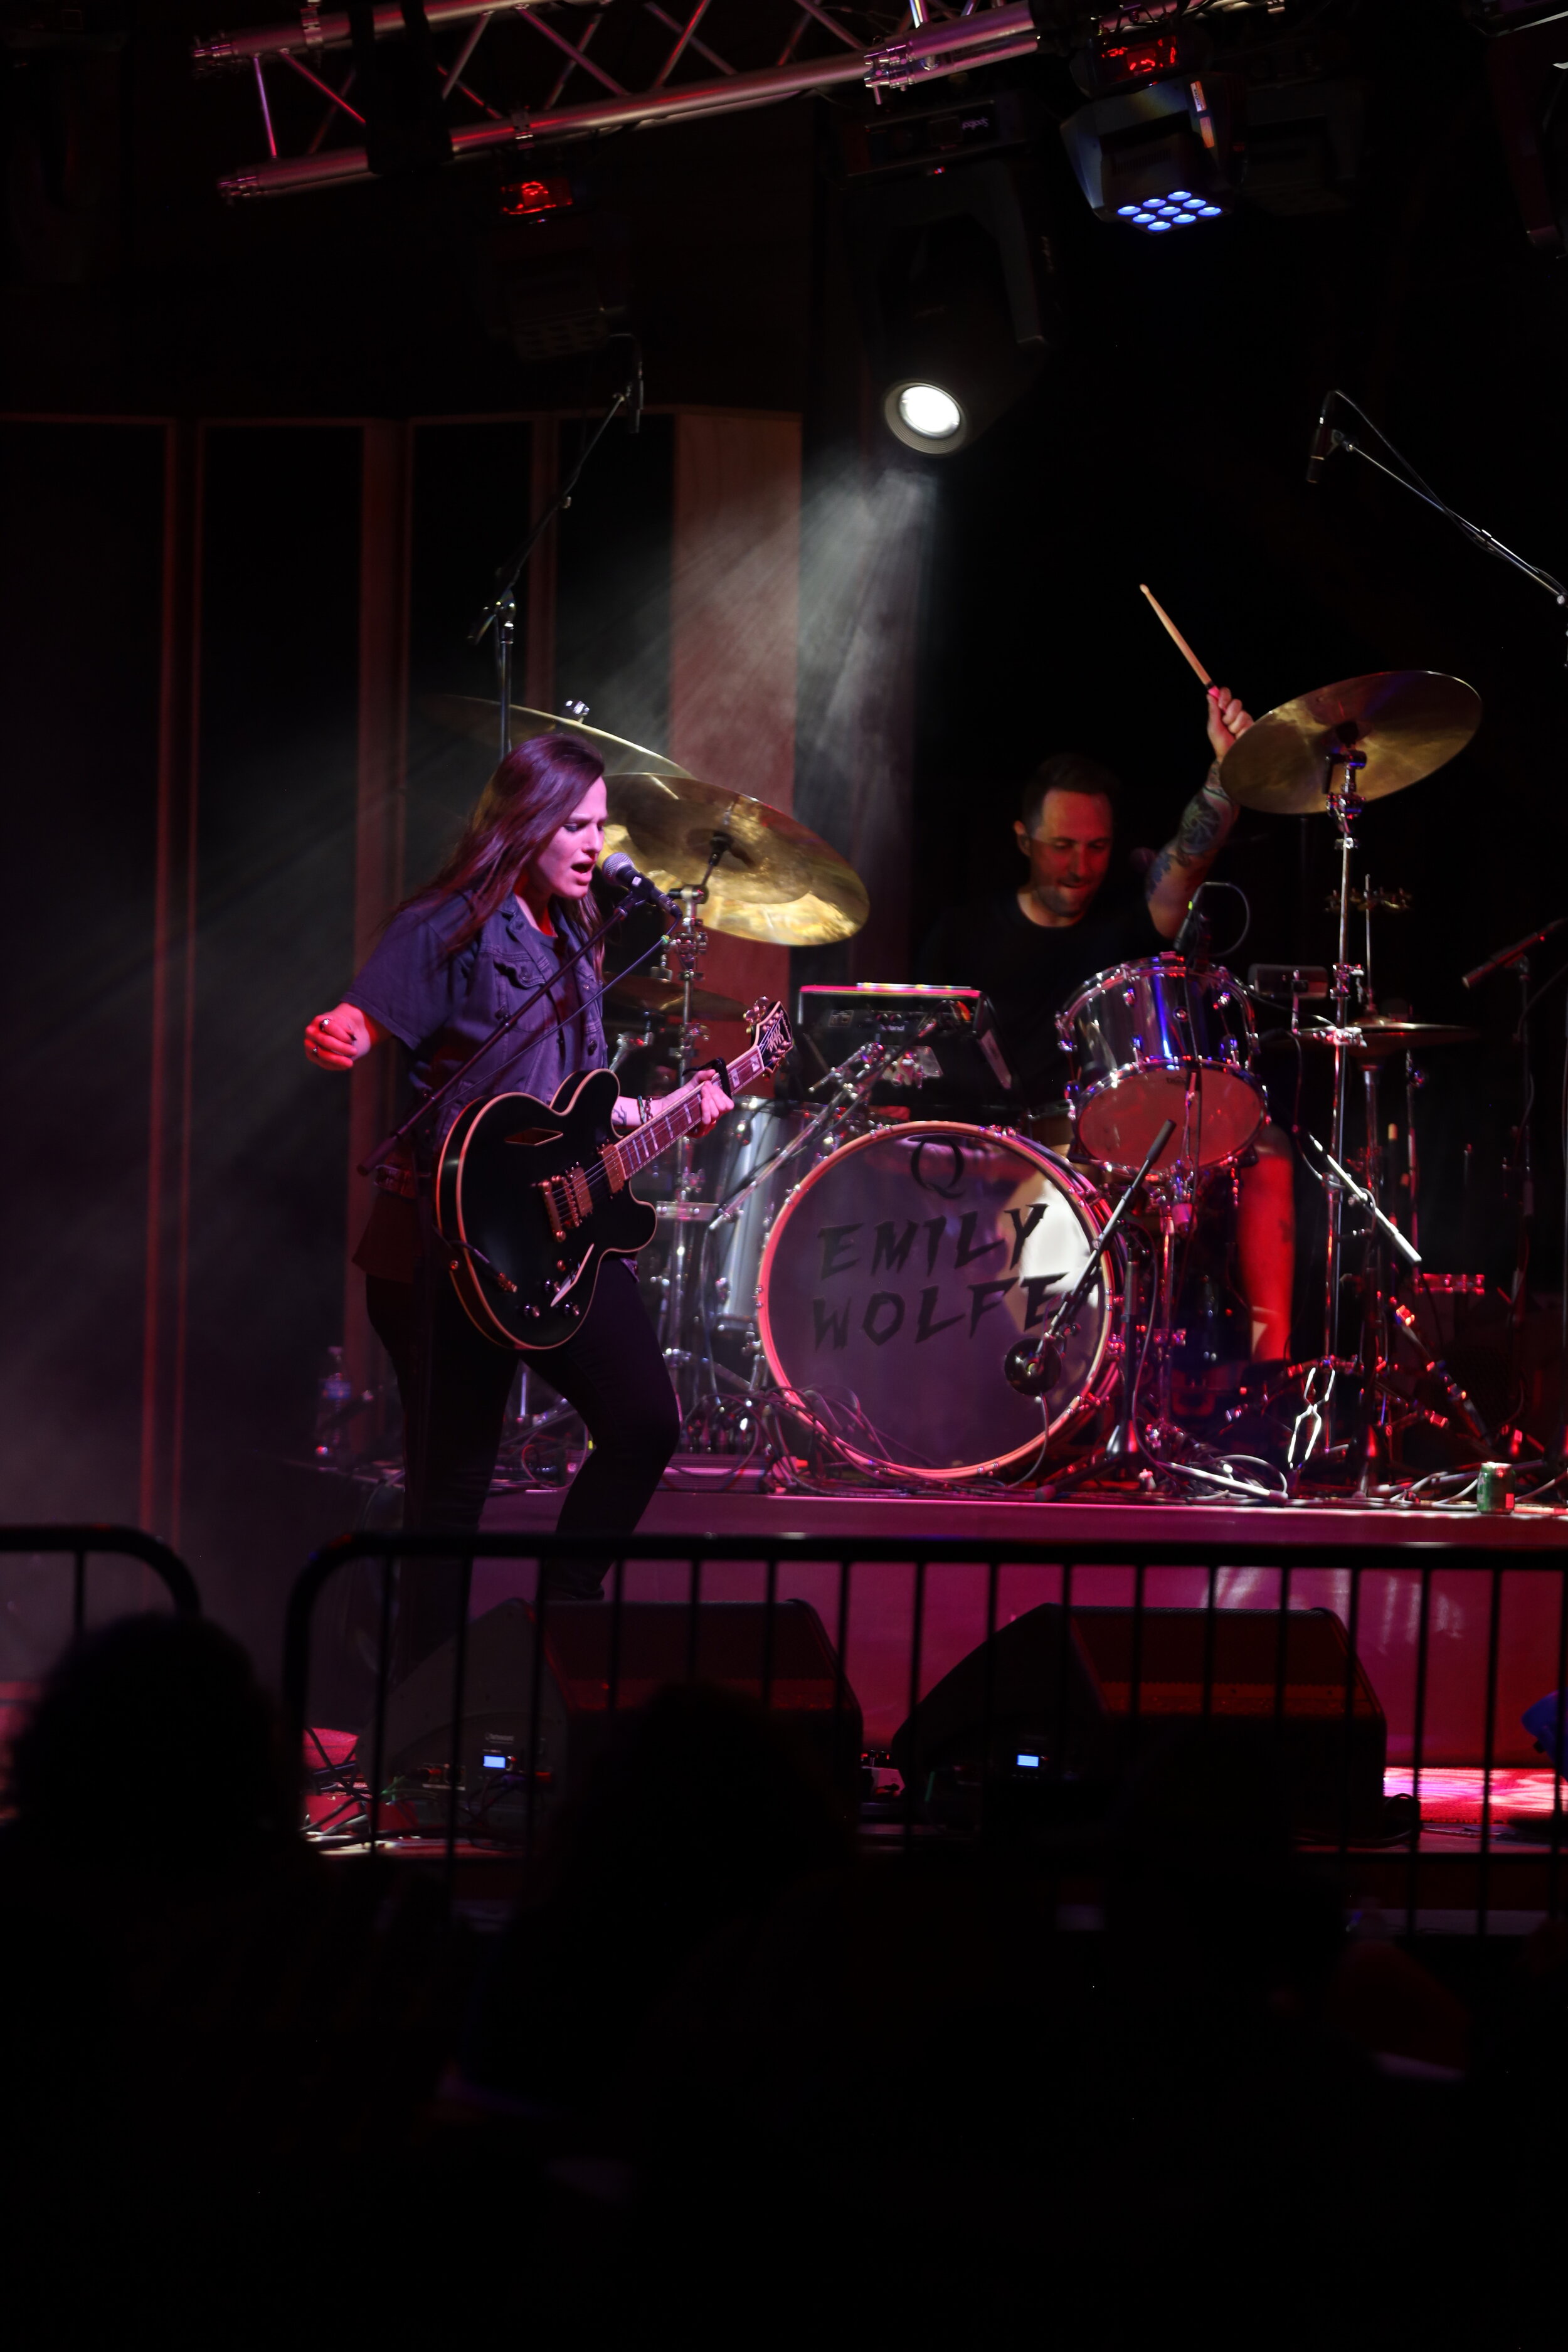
904,1268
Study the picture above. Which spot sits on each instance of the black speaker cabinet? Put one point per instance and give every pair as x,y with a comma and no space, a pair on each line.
588,1658
1050,1696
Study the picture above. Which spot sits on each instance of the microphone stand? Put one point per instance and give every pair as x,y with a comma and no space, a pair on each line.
500,612
631,903
1412,482
1027,1367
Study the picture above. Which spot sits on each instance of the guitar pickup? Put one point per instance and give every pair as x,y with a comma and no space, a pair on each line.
567,1201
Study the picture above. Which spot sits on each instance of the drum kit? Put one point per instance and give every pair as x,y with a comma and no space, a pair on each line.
936,1289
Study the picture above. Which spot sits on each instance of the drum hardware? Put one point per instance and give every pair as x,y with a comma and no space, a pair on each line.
662,995
684,946
1034,1369
630,1042
948,1034
1333,751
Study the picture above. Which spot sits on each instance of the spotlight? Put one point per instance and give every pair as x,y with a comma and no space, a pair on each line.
1155,158
945,255
923,416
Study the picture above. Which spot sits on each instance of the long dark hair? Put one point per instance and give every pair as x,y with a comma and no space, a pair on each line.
525,803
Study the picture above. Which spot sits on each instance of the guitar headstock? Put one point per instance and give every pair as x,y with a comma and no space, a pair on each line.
770,1033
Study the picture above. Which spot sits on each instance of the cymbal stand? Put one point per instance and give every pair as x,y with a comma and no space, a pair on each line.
687,942
688,939
1345,803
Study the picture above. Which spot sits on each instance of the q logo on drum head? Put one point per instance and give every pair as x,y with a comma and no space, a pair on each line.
909,1293
947,1191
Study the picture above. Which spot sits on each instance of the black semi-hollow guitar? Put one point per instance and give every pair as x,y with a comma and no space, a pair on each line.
530,1195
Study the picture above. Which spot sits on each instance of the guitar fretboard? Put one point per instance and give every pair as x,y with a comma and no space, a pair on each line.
645,1144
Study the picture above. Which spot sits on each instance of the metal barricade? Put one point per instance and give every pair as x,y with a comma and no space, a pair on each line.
1395,1600
81,1543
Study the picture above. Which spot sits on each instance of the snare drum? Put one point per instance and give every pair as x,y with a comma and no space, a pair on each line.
1156,1041
904,1267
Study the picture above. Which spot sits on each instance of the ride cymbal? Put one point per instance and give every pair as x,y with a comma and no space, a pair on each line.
1405,723
663,997
773,880
470,714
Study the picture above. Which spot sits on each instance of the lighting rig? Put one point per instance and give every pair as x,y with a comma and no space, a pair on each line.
568,69
1189,106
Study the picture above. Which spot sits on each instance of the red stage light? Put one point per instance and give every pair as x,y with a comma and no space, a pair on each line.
521,196
1146,60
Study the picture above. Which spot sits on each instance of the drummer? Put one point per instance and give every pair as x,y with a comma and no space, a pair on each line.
1032,949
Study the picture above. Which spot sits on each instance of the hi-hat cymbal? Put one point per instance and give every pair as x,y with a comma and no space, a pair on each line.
1404,722
665,997
1377,1038
470,714
773,879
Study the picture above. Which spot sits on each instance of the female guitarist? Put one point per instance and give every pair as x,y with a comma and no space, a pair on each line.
502,915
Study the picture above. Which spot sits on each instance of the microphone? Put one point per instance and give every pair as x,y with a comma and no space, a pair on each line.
1505,956
1030,1369
622,875
1192,938
1323,440
633,398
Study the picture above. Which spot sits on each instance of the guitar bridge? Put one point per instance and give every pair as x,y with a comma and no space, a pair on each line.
567,1201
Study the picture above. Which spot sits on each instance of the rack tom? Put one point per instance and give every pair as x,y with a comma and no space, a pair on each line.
1156,1041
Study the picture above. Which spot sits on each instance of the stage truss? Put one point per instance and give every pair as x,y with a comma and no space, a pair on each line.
543,71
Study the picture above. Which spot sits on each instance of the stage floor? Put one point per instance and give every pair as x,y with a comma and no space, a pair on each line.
694,1501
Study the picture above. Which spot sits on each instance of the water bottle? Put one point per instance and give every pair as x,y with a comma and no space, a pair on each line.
333,1396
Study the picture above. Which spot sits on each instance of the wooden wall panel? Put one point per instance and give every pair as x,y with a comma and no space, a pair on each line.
734,614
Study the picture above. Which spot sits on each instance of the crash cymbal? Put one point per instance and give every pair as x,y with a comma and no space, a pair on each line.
1405,722
470,714
774,880
1378,1038
642,995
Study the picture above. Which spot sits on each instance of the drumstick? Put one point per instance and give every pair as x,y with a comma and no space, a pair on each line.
1176,637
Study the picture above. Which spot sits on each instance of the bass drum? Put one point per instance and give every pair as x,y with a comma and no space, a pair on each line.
903,1269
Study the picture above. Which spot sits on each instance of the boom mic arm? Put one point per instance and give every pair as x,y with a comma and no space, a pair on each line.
1505,956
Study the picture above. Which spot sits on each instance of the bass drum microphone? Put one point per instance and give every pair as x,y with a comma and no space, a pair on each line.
1030,1369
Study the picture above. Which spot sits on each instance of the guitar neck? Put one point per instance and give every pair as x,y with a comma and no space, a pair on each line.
644,1143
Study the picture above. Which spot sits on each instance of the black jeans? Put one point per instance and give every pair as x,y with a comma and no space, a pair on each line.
610,1370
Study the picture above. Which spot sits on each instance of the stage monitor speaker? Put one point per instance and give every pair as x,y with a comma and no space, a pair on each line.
789,1665
1047,1702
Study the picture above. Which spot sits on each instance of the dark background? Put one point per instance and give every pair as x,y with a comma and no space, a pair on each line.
1165,441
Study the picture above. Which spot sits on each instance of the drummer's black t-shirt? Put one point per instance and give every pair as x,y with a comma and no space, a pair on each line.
1030,969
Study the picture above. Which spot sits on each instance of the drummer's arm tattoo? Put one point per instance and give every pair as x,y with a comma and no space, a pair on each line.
1184,861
